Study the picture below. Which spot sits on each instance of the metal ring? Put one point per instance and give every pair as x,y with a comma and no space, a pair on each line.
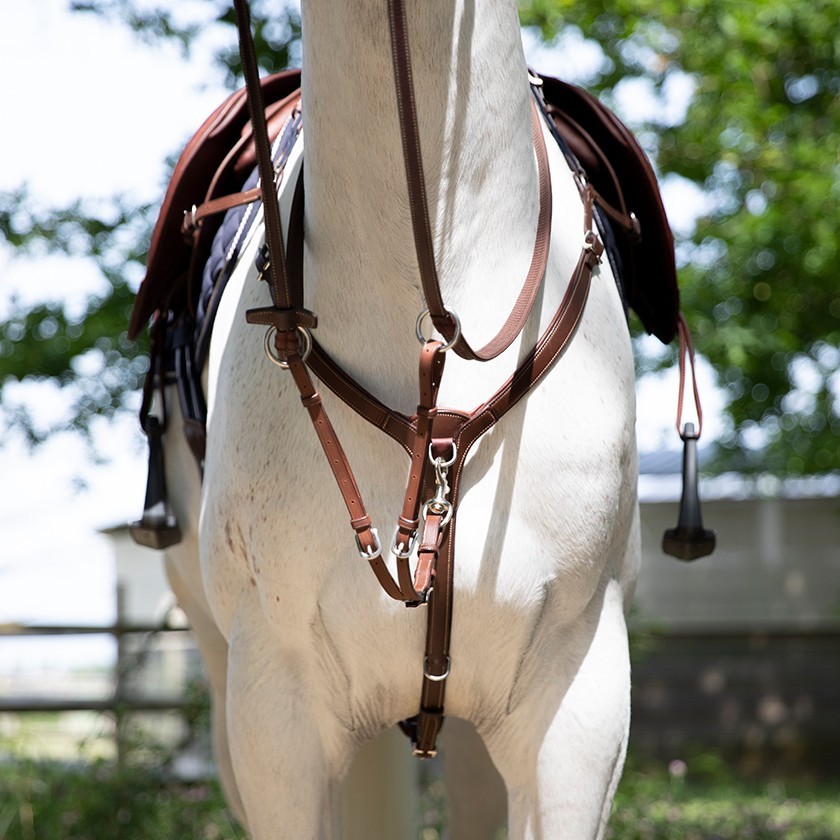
306,347
419,332
447,516
443,463
436,677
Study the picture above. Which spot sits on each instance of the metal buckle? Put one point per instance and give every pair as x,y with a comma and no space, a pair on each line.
306,346
406,552
371,553
589,240
590,243
418,331
263,263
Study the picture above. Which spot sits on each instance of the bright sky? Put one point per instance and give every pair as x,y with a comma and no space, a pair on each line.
93,112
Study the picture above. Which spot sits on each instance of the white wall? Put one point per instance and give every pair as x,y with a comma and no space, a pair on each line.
777,565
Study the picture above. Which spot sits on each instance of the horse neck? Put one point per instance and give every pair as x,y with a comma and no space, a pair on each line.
473,111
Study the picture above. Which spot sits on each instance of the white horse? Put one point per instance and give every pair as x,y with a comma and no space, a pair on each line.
309,659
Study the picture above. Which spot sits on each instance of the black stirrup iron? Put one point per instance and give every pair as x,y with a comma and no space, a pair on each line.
158,527
689,540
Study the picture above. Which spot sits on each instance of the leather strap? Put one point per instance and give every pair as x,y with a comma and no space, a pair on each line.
687,352
193,218
418,202
431,370
463,431
287,316
282,315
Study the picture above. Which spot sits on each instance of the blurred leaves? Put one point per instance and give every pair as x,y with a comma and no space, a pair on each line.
761,137
86,353
276,27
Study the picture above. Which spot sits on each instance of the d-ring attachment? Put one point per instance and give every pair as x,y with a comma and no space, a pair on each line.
418,328
436,677
439,462
305,344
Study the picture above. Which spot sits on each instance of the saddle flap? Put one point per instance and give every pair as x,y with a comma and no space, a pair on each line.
620,171
205,168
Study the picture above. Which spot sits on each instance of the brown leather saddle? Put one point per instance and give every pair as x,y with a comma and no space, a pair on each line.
217,160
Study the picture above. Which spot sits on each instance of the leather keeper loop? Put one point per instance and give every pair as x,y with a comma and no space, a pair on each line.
360,523
283,320
287,343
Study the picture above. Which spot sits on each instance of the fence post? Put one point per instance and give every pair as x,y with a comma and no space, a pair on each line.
120,686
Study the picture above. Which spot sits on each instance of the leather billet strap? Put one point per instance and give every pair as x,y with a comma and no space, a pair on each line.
421,225
283,315
686,352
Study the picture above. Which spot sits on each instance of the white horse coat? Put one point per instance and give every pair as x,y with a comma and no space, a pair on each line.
309,659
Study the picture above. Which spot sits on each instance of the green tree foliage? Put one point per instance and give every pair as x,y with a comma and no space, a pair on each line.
87,354
761,137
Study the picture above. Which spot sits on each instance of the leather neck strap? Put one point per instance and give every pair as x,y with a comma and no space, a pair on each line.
421,226
287,313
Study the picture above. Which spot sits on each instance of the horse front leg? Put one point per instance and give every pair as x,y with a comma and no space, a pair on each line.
562,748
475,790
214,654
288,784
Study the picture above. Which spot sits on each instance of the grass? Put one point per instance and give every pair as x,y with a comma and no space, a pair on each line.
702,800
41,800
697,800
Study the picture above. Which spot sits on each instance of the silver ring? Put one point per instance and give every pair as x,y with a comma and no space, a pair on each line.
306,346
436,677
447,512
419,332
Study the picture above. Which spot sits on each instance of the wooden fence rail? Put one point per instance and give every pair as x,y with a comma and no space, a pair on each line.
769,694
119,699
